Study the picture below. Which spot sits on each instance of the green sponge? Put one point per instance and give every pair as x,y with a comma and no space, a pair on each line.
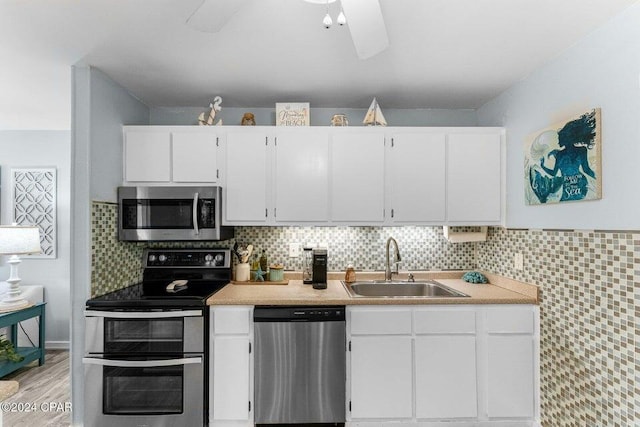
474,277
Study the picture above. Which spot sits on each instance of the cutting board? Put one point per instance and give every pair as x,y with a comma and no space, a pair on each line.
283,282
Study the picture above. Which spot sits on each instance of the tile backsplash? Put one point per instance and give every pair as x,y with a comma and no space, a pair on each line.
589,281
114,264
590,336
421,248
119,264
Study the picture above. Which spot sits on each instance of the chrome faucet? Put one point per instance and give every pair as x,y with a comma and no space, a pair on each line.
387,270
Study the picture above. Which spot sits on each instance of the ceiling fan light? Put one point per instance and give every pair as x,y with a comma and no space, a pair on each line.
342,19
327,21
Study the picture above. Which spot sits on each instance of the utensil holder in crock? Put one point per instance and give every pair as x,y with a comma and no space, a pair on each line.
242,272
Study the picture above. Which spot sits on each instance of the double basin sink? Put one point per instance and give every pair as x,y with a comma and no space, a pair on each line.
400,289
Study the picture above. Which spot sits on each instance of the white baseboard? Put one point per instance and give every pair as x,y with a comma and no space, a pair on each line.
56,345
447,423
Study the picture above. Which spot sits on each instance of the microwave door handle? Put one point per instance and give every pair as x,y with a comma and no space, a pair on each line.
141,363
195,214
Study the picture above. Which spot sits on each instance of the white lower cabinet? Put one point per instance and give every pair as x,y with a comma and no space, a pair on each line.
381,377
469,365
455,365
512,348
446,385
231,366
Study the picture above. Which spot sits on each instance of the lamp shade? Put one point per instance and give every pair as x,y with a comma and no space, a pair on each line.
19,240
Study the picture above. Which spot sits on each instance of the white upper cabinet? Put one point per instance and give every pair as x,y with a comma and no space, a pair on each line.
329,175
302,176
474,178
357,178
194,156
246,185
418,181
166,155
147,156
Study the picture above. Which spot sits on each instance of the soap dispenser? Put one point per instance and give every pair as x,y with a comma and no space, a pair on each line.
350,274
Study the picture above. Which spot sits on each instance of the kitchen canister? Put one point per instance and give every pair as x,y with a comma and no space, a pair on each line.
242,272
339,120
276,273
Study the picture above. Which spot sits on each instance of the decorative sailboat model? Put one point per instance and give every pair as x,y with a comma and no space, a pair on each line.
374,116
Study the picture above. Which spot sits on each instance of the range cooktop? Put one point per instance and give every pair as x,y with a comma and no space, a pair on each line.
173,278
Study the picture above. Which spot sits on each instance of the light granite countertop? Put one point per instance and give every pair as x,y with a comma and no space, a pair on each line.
500,290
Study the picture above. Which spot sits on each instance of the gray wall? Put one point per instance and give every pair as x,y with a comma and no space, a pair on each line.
100,108
319,116
46,148
601,70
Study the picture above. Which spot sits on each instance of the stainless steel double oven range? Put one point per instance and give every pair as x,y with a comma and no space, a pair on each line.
146,360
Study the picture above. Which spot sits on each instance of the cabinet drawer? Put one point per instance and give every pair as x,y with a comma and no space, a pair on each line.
380,321
231,320
434,321
510,320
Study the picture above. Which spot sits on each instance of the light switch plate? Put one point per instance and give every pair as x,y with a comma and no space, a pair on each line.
518,261
294,250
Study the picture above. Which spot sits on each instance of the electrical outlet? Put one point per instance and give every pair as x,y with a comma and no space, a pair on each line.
518,261
294,250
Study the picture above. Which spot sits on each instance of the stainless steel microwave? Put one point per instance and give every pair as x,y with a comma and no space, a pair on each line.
171,214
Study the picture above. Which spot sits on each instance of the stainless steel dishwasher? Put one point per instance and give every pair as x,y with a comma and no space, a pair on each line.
300,364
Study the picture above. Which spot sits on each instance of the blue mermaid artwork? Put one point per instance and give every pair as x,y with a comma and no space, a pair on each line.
564,165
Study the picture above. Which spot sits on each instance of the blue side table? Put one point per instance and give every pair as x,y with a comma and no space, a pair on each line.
11,319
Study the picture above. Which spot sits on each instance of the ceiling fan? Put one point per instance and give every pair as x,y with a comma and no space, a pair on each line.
364,19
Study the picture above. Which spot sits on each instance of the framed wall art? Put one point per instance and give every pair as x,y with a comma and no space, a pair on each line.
34,203
563,163
292,114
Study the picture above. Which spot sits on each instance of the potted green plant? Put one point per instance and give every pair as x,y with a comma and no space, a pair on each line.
8,351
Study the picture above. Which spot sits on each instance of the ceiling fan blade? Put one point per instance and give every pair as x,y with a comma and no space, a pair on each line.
365,21
212,15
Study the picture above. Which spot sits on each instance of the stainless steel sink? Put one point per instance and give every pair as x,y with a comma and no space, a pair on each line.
397,289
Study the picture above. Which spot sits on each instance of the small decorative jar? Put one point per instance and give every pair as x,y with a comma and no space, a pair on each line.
276,273
339,120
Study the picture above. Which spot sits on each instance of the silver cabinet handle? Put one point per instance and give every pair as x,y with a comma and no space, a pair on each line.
141,363
142,314
195,214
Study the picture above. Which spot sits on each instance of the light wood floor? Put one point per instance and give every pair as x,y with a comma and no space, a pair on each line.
44,387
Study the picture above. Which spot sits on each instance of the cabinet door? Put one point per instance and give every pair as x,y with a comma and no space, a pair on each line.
302,176
511,383
246,178
381,377
417,172
474,178
194,156
357,174
230,378
147,156
446,376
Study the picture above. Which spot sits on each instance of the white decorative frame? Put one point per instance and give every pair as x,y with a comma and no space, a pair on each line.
34,203
292,114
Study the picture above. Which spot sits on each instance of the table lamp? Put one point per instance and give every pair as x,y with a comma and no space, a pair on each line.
17,240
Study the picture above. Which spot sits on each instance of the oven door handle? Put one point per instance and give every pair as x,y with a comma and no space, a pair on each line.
142,314
141,363
194,212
